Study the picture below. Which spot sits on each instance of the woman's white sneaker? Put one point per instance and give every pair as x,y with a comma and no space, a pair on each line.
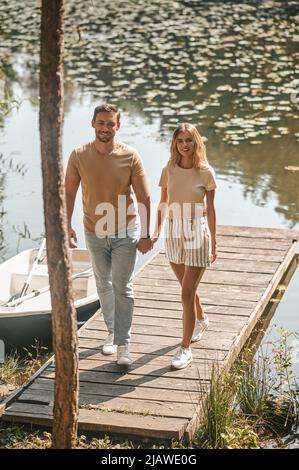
108,347
199,328
182,358
123,355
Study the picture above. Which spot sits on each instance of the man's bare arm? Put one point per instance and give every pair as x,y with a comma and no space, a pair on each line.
71,188
141,190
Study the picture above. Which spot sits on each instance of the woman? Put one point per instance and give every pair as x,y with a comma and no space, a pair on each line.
187,193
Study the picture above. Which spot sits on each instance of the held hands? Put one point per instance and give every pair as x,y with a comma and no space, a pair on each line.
144,245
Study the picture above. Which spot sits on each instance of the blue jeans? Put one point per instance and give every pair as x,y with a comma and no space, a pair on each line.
113,261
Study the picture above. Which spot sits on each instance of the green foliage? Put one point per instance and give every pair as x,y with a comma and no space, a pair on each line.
16,370
9,369
254,387
258,400
218,410
286,388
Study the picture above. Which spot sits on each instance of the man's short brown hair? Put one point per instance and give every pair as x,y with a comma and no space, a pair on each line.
106,108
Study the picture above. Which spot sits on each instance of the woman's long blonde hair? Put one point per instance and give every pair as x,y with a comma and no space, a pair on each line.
200,160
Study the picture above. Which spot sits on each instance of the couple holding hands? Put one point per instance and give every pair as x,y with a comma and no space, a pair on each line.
109,172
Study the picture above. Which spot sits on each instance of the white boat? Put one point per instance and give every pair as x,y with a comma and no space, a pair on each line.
30,317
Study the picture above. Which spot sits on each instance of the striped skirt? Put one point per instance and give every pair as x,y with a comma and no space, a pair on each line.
187,241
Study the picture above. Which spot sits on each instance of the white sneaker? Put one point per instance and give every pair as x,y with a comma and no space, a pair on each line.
108,347
123,355
199,328
182,358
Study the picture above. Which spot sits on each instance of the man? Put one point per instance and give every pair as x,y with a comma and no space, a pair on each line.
108,170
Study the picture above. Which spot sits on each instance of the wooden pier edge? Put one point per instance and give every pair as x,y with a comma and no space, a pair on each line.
14,395
246,331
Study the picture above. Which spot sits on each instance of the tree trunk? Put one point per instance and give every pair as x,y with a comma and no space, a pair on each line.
64,321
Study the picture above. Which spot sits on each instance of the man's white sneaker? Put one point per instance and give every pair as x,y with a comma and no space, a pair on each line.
123,355
182,358
199,328
108,347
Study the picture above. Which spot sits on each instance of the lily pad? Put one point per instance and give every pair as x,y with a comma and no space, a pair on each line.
292,168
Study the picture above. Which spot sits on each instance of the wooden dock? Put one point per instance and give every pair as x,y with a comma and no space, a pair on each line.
149,399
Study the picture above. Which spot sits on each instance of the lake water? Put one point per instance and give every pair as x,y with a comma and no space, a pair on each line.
230,68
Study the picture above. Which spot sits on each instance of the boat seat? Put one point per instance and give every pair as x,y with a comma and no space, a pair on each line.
17,280
40,279
41,269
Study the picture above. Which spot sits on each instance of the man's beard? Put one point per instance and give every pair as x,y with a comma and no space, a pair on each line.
104,139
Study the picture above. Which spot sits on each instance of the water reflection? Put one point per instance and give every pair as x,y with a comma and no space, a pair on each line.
229,67
7,166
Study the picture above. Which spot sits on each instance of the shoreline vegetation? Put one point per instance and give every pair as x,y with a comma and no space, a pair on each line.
255,405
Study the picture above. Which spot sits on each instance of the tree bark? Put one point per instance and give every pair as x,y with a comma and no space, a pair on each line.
64,321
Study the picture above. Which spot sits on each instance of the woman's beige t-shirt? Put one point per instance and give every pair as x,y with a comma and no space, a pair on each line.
104,178
187,189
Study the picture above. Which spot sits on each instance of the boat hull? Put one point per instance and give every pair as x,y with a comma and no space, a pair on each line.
22,332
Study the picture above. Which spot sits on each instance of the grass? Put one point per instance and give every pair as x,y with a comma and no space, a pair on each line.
16,370
256,402
222,426
268,390
9,370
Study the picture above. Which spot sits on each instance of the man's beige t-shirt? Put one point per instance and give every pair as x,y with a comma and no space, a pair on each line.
106,185
187,189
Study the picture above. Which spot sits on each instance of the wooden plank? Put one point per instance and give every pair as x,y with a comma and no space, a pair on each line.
141,358
214,277
133,379
223,292
258,232
222,341
106,391
206,299
174,327
252,242
215,304
163,337
143,426
203,286
112,372
247,255
229,265
226,322
252,251
266,252
147,283
151,350
90,420
198,369
210,309
153,408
